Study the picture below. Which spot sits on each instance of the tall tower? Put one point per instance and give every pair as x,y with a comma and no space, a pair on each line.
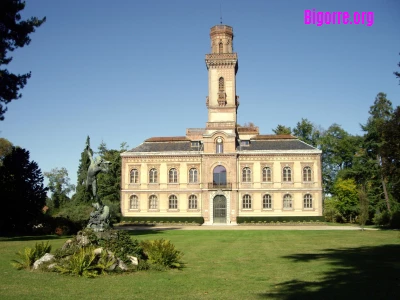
222,101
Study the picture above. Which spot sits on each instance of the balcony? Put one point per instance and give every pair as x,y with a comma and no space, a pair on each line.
220,186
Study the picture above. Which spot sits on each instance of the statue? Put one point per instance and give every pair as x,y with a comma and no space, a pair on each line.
100,217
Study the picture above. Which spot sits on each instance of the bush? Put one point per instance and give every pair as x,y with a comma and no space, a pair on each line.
30,255
162,253
381,218
395,220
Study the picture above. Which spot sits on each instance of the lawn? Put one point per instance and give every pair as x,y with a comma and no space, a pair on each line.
253,264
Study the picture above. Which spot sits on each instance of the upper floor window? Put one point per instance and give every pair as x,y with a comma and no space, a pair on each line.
246,175
221,47
246,202
195,144
192,202
173,202
134,202
219,146
287,174
153,176
267,174
153,202
173,175
287,201
134,176
221,84
193,175
267,201
245,143
307,174
307,203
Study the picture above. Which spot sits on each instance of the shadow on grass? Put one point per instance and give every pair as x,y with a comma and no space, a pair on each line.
356,273
136,231
33,238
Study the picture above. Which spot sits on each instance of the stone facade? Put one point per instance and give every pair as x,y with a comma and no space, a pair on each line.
224,170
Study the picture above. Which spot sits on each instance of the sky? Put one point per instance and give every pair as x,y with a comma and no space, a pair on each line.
124,71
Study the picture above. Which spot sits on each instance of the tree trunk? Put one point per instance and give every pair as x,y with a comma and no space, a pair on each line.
384,186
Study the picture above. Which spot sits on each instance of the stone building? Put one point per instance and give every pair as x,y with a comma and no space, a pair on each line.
223,171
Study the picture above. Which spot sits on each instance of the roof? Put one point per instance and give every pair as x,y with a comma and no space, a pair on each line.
167,146
274,137
276,144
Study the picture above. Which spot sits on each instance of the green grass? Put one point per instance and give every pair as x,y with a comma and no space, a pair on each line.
253,264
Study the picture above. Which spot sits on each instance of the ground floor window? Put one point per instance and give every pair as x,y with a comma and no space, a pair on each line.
307,201
287,201
134,202
153,202
267,201
192,202
173,202
246,202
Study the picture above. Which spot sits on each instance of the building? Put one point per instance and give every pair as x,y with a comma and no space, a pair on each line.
223,171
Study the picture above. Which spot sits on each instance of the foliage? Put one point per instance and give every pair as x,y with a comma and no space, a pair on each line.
268,219
331,211
5,149
30,255
307,132
397,74
59,186
281,129
22,192
85,262
381,218
364,207
121,244
14,34
82,195
346,193
196,220
162,253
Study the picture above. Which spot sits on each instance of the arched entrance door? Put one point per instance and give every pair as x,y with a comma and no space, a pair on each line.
219,209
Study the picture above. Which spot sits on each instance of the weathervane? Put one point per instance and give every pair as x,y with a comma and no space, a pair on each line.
220,13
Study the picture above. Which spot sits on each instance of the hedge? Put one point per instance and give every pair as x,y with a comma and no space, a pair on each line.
241,220
197,220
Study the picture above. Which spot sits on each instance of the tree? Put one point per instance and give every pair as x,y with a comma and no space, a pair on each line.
307,132
22,192
59,186
397,73
281,129
380,113
346,193
82,195
14,34
364,209
5,149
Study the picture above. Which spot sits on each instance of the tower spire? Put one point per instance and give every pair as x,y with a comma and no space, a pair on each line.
220,13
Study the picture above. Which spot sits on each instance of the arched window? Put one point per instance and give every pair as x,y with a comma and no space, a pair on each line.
219,176
153,202
134,202
266,174
173,175
307,201
246,202
219,146
246,175
267,201
307,174
221,84
153,176
287,201
221,47
287,174
173,202
192,202
193,175
134,176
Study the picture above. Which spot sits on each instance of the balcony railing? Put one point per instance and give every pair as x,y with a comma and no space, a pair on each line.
220,186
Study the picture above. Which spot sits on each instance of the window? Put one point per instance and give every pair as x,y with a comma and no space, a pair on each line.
221,48
287,202
173,176
307,174
220,146
134,176
246,202
307,201
134,202
195,144
246,175
267,201
193,175
153,202
153,176
287,174
245,143
221,84
267,174
173,202
192,202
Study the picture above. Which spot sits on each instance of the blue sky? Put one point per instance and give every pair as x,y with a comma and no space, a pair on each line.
123,71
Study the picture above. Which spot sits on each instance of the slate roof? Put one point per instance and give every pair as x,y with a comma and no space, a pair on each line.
258,143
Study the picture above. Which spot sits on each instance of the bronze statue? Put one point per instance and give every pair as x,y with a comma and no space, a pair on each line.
100,217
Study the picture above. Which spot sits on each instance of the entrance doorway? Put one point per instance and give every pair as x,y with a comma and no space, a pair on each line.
219,209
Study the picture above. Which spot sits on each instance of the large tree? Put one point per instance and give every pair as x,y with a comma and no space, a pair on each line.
14,33
5,149
397,73
22,192
82,195
307,132
281,129
59,186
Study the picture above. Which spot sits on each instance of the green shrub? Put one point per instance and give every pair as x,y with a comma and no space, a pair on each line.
30,255
162,253
381,218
